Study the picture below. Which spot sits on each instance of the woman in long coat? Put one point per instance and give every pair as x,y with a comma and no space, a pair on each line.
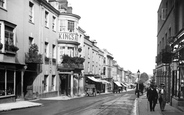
162,97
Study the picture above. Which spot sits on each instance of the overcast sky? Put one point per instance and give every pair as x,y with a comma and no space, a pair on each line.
126,28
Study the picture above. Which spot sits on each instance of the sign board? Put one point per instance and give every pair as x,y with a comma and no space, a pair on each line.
68,36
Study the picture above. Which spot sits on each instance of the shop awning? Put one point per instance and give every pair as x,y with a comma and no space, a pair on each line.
104,81
94,79
124,84
118,83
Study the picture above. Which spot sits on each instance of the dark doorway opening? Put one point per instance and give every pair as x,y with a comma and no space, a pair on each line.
18,85
65,84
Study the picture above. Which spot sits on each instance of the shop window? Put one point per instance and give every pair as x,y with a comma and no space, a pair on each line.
70,26
6,83
10,82
31,12
2,83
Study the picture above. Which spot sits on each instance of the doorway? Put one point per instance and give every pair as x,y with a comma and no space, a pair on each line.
65,84
18,85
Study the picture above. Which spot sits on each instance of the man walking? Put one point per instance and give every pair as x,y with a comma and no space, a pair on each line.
162,97
152,96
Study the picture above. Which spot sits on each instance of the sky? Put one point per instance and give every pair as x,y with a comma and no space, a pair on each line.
126,28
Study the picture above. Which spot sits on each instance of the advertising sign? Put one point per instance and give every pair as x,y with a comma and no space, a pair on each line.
68,36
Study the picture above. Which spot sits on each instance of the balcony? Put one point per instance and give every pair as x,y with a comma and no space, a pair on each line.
71,63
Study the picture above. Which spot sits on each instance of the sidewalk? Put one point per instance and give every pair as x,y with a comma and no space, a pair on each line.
143,108
18,105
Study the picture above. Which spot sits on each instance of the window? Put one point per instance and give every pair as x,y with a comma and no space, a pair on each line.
3,3
88,67
31,40
2,83
53,51
53,82
10,82
70,26
88,52
62,25
46,19
71,51
31,12
9,38
7,83
54,23
46,49
45,82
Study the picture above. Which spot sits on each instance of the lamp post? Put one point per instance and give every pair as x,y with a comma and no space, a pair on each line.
138,72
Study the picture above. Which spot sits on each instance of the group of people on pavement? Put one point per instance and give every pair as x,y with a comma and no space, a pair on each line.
155,94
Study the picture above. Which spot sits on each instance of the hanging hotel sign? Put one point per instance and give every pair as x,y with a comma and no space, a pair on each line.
68,36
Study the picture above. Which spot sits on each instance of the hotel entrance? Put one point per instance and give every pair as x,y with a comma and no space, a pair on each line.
65,86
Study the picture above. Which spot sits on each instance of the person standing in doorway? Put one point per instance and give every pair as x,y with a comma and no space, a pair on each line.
162,97
152,96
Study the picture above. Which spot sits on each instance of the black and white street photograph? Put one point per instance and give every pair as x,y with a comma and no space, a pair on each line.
91,57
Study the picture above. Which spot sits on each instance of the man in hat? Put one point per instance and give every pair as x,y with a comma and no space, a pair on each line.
162,97
152,96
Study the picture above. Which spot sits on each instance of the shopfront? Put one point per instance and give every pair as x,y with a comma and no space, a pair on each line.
10,80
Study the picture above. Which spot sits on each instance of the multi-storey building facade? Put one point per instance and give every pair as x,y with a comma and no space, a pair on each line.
108,68
169,69
29,26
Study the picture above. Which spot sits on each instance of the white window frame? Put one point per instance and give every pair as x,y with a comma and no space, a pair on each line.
46,19
54,23
31,12
4,4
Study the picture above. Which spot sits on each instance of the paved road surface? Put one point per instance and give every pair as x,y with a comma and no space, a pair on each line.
108,104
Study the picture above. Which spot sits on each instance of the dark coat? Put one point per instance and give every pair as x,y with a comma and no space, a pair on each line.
152,94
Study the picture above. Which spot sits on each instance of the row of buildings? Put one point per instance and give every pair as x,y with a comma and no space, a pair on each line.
170,50
43,53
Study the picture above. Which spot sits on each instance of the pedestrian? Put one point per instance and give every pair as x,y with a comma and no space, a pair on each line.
162,97
152,96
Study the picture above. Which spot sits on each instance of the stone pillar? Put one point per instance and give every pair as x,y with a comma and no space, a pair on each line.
71,82
14,74
22,84
5,82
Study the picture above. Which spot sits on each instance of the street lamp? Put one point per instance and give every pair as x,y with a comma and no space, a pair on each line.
138,72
